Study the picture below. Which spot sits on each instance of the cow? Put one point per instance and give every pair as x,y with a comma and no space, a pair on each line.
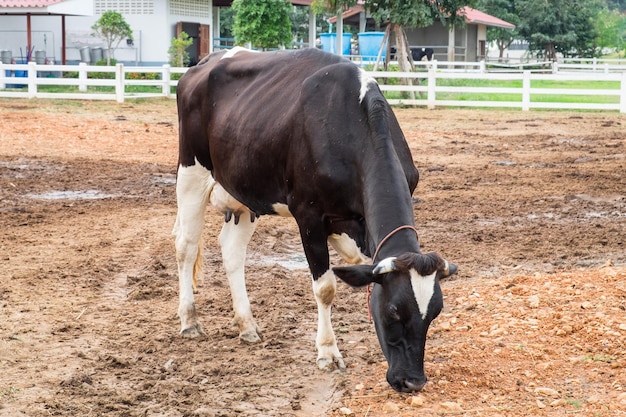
419,53
306,134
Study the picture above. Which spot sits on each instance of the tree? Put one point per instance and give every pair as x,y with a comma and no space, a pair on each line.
400,14
263,23
113,29
611,26
335,8
619,5
505,10
299,17
179,57
227,17
559,26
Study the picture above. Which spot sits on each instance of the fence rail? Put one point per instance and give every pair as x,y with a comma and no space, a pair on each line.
432,85
526,88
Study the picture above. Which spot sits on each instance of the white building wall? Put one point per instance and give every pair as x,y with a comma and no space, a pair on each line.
152,33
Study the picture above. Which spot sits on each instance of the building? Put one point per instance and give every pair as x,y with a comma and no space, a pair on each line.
468,43
60,30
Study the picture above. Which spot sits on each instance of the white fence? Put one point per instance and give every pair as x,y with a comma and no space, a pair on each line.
427,91
430,86
23,80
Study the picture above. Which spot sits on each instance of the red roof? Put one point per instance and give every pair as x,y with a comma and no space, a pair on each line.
471,16
478,17
28,3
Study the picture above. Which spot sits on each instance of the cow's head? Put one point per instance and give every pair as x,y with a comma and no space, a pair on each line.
405,300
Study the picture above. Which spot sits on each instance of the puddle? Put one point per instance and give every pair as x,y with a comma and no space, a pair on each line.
597,200
533,216
291,262
604,214
505,163
164,178
24,169
71,195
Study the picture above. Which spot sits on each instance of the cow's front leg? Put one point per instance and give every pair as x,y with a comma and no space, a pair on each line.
193,185
234,239
328,354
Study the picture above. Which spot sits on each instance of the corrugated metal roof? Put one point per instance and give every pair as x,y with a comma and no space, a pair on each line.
28,3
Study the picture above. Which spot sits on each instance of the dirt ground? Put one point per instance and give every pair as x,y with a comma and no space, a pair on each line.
530,205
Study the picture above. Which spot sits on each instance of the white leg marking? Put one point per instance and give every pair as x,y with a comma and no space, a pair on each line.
348,249
193,185
424,289
328,354
367,82
234,241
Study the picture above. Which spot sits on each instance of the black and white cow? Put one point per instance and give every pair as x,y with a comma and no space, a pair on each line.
306,134
419,53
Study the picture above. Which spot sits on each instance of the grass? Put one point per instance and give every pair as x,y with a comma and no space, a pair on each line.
517,97
101,89
576,403
599,358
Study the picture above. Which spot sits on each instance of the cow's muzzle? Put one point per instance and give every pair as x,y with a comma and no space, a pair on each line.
409,385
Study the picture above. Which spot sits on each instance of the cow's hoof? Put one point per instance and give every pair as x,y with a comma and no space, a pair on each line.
191,332
250,337
330,364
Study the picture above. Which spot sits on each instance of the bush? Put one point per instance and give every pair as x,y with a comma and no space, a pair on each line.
103,75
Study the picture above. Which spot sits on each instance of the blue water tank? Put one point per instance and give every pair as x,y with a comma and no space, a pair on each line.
369,45
329,42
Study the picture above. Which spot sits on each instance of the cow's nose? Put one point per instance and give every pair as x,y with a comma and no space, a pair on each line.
414,385
406,383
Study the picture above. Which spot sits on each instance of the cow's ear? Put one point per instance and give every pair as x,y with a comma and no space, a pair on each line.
357,275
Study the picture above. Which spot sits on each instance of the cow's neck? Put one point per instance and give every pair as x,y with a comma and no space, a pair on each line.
388,205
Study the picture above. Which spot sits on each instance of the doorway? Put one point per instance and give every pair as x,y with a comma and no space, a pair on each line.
201,36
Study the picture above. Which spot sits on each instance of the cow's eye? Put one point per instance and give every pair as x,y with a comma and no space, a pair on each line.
393,313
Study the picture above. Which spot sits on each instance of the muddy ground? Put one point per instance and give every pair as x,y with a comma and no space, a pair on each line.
530,205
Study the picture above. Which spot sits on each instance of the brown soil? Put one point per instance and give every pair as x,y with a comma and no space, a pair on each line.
530,205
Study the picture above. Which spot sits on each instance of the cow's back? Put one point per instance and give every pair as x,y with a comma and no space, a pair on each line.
238,90
274,126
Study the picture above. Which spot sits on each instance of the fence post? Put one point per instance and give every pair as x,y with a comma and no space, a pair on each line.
119,83
3,74
555,67
166,76
526,91
483,66
32,79
82,77
432,80
622,96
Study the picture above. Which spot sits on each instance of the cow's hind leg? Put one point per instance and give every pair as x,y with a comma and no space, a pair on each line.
193,185
234,238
